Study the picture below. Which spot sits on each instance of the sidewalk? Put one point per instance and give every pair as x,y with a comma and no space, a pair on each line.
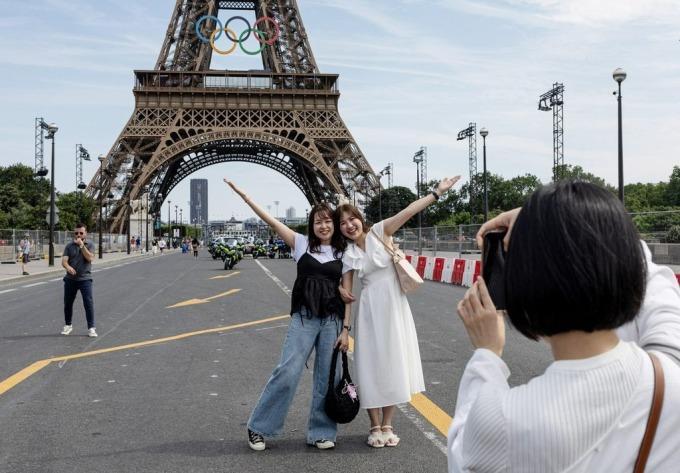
11,272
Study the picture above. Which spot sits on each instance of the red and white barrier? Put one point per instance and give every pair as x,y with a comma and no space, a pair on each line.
462,272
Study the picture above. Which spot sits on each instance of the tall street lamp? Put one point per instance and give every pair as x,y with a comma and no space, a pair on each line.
158,205
146,226
52,129
101,194
169,223
418,158
484,132
176,221
619,76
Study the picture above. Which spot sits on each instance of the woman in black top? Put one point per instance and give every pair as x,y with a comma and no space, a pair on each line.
320,320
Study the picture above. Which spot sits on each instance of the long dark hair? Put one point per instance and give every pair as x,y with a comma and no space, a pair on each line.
337,242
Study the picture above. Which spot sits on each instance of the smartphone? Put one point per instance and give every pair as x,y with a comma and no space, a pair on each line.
493,267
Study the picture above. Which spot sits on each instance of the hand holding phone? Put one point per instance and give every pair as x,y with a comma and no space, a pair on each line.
493,267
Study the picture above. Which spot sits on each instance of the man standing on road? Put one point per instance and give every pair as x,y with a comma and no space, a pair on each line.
25,252
77,261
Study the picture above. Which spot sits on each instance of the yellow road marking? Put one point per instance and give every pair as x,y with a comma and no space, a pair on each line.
202,301
428,409
17,378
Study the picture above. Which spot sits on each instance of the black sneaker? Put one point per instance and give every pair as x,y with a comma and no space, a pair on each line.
323,444
255,441
25,273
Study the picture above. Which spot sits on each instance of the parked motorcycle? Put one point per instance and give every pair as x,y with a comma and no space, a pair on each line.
259,249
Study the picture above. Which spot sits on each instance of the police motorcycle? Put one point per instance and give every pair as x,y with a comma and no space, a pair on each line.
212,247
229,256
240,249
259,249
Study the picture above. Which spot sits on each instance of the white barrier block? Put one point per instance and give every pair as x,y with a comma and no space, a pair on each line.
429,269
469,272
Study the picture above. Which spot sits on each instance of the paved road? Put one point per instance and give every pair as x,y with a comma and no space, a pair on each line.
183,353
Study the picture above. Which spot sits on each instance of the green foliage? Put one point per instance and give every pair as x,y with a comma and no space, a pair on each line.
392,201
673,235
672,191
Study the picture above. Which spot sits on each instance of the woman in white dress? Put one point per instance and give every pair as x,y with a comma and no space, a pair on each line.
387,357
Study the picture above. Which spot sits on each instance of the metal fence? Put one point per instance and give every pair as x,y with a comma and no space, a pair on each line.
430,241
11,239
459,241
451,241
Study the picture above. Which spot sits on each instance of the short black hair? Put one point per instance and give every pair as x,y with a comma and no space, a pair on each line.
574,262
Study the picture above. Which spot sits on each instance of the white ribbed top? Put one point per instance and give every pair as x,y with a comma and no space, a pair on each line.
579,416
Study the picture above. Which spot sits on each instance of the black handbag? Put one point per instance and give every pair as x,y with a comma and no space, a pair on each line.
342,402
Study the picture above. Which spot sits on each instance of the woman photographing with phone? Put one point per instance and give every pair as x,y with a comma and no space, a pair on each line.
578,278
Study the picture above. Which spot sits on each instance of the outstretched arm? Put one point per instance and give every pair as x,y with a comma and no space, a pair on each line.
395,222
286,234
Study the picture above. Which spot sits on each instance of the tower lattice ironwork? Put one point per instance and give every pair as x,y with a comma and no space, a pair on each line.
471,133
554,100
188,116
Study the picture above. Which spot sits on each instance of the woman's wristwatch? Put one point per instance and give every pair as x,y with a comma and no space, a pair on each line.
347,327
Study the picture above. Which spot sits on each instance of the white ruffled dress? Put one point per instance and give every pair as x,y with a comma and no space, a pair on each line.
386,353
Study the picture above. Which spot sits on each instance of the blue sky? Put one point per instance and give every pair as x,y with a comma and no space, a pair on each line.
413,73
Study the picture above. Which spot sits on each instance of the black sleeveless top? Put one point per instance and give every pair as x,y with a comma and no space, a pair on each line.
316,287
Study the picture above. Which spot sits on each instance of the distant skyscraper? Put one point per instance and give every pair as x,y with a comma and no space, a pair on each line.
290,213
199,201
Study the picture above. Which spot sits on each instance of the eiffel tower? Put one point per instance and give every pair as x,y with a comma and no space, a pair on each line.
188,116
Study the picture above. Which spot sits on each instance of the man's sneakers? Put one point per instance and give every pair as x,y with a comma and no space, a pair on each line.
255,441
92,333
24,273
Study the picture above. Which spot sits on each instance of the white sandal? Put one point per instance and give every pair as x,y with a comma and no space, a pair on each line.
375,437
390,439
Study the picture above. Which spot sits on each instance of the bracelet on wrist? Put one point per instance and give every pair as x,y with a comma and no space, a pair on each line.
435,195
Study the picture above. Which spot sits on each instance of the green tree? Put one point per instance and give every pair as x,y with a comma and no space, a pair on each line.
393,200
672,192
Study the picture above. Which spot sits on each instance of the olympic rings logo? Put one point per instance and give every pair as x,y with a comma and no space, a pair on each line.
259,35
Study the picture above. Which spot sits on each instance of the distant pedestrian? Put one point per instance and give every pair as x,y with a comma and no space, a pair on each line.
194,246
138,243
154,246
25,252
161,245
77,261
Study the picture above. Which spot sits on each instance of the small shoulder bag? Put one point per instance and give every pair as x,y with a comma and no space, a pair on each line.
654,414
342,402
409,279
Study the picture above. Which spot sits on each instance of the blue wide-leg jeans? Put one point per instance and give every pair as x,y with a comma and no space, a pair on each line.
304,334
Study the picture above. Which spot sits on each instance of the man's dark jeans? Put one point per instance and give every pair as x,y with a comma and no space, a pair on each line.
71,288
